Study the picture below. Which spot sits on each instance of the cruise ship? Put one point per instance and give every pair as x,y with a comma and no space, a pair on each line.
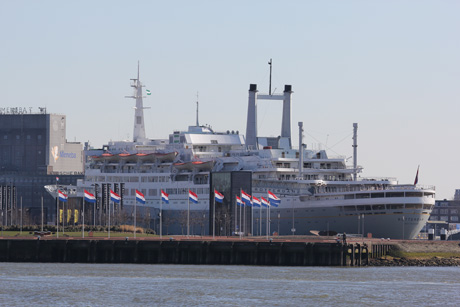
318,193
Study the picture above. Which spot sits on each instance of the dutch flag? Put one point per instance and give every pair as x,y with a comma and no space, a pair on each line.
264,202
89,197
274,200
239,202
218,196
62,196
256,201
193,197
140,197
164,197
246,198
114,197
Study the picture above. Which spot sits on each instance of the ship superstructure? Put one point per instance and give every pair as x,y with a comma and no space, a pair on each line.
317,192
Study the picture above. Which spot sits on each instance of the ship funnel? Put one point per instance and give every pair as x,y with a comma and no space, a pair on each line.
251,124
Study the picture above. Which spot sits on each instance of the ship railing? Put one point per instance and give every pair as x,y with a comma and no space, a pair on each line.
378,179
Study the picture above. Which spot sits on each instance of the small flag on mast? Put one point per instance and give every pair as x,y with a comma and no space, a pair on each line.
148,92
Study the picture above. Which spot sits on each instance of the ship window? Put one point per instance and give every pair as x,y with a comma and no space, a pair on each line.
350,196
363,207
413,206
362,195
377,195
427,206
378,207
349,208
414,194
396,206
395,194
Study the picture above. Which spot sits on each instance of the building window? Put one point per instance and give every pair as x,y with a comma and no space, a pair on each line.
444,218
39,137
454,218
453,211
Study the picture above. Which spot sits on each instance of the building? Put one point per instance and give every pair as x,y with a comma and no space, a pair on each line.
34,152
446,214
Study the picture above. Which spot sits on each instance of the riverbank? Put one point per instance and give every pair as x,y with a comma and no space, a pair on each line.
421,253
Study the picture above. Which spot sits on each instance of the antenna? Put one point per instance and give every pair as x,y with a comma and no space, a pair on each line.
270,84
138,70
197,123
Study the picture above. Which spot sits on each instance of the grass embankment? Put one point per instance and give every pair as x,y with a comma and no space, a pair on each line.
121,231
426,249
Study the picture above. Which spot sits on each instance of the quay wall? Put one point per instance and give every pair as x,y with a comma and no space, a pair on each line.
276,253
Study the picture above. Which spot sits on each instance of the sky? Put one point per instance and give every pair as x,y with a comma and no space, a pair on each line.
393,67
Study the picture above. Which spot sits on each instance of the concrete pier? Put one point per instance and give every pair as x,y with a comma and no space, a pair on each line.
226,252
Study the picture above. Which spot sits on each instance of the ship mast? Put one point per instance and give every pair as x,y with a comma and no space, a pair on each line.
355,151
197,122
139,128
301,147
270,84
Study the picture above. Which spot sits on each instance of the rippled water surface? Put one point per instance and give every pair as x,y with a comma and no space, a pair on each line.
24,284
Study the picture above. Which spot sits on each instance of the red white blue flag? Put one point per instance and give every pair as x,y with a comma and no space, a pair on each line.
246,198
255,201
273,199
140,197
115,197
218,196
62,196
239,202
164,197
89,197
192,196
264,202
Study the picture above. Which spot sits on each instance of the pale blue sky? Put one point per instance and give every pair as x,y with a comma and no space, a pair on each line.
391,66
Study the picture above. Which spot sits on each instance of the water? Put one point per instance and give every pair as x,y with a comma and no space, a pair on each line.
56,284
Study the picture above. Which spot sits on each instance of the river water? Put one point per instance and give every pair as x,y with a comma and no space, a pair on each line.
56,284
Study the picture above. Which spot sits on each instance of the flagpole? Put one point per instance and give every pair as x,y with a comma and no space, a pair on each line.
161,217
109,217
241,228
214,217
266,226
63,217
236,215
252,218
260,221
135,214
57,216
83,218
188,215
269,220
